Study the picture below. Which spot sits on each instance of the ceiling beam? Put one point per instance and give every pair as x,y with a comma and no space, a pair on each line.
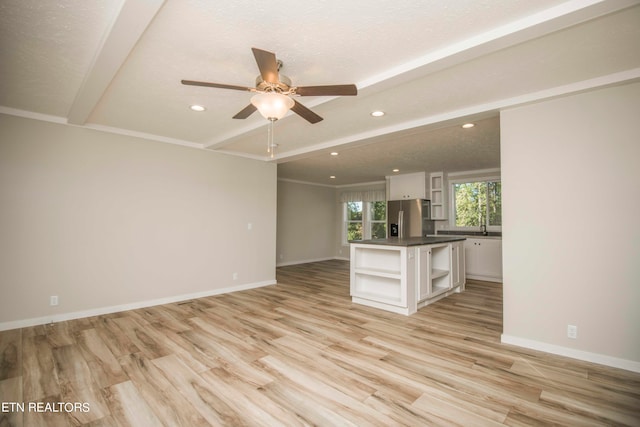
127,28
565,15
531,27
470,113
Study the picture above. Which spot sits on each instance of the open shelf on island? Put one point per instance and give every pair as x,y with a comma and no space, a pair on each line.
379,275
381,259
436,273
392,274
440,284
378,288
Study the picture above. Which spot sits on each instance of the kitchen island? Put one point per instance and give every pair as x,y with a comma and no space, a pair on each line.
403,275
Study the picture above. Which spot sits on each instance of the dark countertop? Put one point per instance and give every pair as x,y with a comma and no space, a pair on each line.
469,233
411,241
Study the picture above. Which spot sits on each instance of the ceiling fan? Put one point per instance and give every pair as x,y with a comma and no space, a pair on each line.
274,91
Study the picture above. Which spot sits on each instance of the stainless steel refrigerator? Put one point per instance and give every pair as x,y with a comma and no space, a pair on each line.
409,218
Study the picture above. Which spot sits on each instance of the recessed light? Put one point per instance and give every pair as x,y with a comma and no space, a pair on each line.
468,125
334,153
377,113
197,108
396,170
332,177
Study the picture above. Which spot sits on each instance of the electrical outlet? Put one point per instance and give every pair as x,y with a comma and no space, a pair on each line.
53,300
572,331
235,276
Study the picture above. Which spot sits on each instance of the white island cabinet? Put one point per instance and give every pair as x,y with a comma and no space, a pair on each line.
403,275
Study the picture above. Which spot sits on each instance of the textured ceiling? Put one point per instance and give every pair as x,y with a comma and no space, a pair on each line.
431,65
409,151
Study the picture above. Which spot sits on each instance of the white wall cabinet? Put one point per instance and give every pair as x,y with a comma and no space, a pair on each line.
408,186
483,259
438,194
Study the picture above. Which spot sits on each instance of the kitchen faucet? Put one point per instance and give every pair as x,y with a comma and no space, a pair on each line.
483,228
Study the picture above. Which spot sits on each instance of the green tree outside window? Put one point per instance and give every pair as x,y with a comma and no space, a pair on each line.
478,203
366,220
378,220
354,220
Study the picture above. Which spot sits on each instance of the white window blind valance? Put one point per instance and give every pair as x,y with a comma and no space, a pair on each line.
363,196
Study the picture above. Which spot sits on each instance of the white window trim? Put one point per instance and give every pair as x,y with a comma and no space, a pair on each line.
452,202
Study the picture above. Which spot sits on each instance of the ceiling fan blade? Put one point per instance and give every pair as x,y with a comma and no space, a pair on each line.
332,90
245,112
267,64
305,113
218,85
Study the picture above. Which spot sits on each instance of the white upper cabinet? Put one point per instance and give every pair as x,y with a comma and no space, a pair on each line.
438,195
408,186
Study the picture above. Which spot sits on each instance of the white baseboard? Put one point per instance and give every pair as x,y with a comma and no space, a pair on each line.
586,356
25,323
484,278
304,261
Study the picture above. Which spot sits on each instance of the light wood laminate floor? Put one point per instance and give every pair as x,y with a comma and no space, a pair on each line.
300,353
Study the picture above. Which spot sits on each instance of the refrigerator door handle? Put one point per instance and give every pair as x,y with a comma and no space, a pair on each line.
401,224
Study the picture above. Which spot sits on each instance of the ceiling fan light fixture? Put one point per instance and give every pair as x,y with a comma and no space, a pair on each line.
272,105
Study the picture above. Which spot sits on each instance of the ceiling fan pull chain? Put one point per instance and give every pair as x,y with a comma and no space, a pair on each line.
270,137
271,149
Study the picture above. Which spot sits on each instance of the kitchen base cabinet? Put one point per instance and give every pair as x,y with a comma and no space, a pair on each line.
483,259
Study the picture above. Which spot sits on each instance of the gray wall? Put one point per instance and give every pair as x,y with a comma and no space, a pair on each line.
306,223
571,236
310,221
108,222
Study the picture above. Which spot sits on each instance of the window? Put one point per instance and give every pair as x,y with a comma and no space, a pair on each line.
365,220
477,202
354,220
